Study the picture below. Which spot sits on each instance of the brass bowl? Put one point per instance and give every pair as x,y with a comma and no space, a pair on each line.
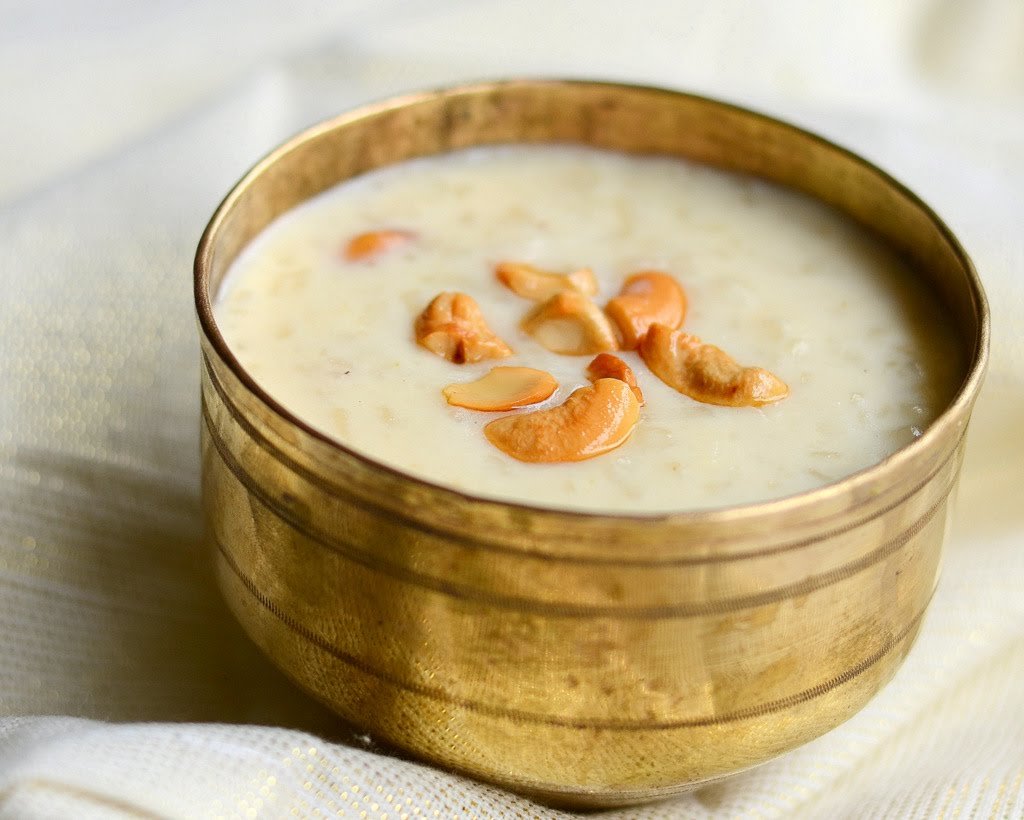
583,659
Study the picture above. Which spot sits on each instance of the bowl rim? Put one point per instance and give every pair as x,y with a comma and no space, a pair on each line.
957,409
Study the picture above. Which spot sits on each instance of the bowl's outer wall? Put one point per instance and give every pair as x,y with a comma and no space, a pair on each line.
586,659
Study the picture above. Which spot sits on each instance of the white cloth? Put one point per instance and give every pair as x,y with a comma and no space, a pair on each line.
125,688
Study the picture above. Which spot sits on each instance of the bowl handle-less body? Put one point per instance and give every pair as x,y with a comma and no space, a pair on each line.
589,660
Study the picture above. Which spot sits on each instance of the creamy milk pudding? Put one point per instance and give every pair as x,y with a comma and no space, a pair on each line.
328,326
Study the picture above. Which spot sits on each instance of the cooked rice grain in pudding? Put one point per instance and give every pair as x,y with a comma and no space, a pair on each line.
774,278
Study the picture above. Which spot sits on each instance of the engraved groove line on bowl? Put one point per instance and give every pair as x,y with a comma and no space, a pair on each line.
481,542
374,563
520,715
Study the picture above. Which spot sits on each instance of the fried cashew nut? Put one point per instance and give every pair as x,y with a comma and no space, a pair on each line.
503,388
607,366
369,245
646,298
706,373
592,421
570,323
453,327
539,285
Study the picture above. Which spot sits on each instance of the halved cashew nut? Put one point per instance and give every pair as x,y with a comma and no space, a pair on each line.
706,373
503,388
373,243
646,298
592,421
453,327
607,366
538,285
570,323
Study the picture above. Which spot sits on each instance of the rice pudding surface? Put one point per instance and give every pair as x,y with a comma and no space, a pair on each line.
772,277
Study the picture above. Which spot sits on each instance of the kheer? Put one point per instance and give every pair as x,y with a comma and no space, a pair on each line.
777,280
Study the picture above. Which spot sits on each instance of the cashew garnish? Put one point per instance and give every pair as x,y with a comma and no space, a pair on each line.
453,327
368,245
570,323
592,421
646,298
503,388
607,366
706,373
538,285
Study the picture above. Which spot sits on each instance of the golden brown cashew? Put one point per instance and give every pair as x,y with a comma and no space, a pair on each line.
453,327
592,421
368,245
607,366
538,285
503,388
706,373
570,323
646,298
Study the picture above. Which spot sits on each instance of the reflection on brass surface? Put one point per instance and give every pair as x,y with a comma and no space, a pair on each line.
580,658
